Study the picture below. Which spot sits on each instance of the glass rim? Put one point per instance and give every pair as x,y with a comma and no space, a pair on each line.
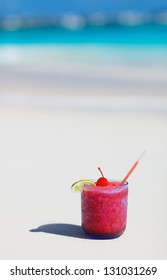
113,189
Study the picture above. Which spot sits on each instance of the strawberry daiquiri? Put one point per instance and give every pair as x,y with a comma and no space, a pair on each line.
104,207
104,204
104,210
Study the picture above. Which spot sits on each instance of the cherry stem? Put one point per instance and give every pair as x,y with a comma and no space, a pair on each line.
100,171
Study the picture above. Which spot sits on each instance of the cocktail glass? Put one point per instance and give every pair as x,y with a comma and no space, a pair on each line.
104,210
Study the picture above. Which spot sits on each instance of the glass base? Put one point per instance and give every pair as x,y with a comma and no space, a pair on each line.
109,236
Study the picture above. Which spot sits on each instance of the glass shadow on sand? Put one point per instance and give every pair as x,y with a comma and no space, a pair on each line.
69,230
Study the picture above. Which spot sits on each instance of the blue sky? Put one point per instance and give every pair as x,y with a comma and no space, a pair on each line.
47,7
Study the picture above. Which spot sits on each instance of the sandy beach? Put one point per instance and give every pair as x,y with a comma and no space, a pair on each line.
57,128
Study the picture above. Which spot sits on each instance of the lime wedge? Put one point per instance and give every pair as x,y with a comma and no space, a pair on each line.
78,186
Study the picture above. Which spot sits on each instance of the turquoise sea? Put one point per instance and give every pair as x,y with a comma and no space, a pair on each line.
145,34
141,44
129,60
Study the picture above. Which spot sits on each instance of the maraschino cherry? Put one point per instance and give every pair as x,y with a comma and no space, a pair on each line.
102,181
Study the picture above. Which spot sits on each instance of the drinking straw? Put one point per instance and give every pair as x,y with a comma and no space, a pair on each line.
132,168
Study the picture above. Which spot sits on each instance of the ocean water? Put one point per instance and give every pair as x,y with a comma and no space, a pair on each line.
130,61
145,34
144,44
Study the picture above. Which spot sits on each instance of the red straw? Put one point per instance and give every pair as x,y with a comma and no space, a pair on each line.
132,168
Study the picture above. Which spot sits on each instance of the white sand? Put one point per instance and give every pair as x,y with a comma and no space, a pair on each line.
58,123
44,151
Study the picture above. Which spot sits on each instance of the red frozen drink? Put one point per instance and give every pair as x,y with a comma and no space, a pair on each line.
104,204
104,209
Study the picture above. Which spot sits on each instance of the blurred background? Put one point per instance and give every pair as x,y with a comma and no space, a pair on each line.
75,49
